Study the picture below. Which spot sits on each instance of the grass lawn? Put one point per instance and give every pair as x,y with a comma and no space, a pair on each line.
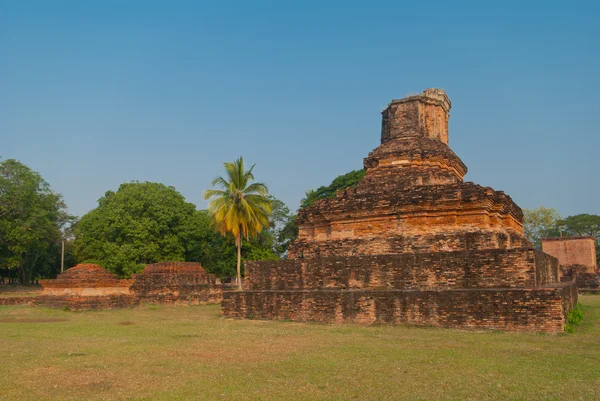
186,353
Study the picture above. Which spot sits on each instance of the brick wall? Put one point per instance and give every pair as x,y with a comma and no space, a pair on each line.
5,301
437,270
87,287
531,310
82,302
572,251
415,219
176,282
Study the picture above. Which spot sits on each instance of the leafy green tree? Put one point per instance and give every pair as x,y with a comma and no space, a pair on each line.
240,208
31,219
540,223
216,254
341,182
287,234
581,224
277,232
140,223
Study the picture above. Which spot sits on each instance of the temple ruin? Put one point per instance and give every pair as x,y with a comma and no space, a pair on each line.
411,243
85,287
88,286
176,283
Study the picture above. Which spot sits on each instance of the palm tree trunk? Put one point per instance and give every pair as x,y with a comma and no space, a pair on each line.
239,263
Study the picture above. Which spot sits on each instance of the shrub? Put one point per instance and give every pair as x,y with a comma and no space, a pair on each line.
574,319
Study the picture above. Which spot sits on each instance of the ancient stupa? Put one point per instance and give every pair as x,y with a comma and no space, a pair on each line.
86,286
411,243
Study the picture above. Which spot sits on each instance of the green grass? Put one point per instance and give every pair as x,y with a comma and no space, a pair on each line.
185,353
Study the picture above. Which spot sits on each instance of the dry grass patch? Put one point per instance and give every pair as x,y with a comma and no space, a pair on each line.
181,353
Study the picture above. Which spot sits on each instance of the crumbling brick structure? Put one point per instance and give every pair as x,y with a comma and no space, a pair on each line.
84,287
577,260
88,286
411,243
176,283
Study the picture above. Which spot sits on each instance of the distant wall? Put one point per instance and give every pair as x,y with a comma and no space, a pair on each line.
569,251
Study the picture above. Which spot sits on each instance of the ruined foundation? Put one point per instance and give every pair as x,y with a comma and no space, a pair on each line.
86,287
412,243
176,283
91,287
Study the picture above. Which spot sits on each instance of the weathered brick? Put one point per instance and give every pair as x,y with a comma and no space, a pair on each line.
411,243
86,287
176,283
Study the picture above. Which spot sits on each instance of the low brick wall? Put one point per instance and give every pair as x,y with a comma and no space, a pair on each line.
82,303
586,282
4,301
489,268
88,287
176,283
529,310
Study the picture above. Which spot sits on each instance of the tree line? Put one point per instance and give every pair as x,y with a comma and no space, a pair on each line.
138,224
147,222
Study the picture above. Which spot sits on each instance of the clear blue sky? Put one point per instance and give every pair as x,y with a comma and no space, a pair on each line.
97,93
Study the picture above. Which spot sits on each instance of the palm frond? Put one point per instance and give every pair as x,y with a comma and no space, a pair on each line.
220,181
210,193
257,188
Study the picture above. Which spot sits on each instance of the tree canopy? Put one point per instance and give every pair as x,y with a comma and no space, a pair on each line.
31,219
581,224
140,223
340,182
540,223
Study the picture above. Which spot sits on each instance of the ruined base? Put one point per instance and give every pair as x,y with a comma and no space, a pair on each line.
525,309
587,283
91,287
178,283
10,301
81,303
204,296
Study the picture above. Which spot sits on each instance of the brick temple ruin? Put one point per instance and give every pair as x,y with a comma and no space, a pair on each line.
91,287
577,260
176,283
411,243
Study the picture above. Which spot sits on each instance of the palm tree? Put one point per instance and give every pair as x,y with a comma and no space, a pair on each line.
239,208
